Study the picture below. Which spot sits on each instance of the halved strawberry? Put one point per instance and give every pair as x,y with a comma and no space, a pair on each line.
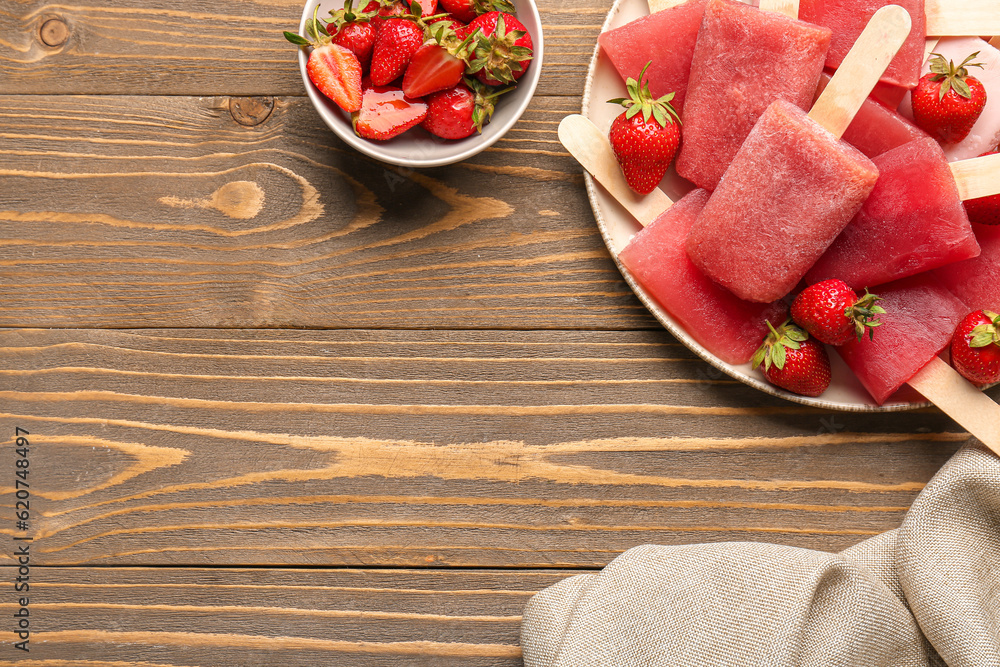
386,113
333,69
337,73
438,64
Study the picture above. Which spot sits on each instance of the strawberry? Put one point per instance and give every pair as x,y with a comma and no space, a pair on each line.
503,48
467,10
431,69
333,69
833,314
395,43
384,9
947,101
354,31
438,64
984,210
645,136
975,347
460,111
386,113
794,361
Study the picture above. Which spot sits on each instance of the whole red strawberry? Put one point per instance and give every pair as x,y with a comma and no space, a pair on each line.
833,314
395,43
984,210
333,69
460,111
467,10
354,31
975,347
503,48
947,102
645,136
794,361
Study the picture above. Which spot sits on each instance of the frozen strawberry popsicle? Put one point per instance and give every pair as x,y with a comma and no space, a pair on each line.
794,185
920,318
722,323
665,40
789,192
847,18
977,281
744,59
913,221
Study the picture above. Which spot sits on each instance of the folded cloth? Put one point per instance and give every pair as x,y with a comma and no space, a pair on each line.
927,593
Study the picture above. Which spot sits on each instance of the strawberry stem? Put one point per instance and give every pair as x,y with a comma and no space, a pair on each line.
640,99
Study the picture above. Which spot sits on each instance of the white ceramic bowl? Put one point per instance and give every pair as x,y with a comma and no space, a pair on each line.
417,147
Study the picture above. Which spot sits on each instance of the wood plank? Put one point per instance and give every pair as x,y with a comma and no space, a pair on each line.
219,617
448,448
146,47
133,211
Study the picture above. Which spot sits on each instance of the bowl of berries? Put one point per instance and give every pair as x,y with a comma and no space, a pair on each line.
423,84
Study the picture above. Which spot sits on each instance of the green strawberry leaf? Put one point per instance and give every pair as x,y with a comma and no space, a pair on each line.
296,39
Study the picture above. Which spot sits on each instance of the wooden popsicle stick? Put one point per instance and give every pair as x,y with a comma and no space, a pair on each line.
789,8
591,148
962,18
929,47
862,67
961,400
977,177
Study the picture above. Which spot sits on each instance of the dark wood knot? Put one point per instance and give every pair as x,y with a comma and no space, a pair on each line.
54,32
251,111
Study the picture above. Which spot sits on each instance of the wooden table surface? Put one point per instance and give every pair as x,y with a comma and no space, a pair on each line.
285,403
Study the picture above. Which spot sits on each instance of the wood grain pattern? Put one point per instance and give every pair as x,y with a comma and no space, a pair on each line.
146,47
483,407
499,449
84,617
180,216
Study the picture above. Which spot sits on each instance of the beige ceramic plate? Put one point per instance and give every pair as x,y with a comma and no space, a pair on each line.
617,227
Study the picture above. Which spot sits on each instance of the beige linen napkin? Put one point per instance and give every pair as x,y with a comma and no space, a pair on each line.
927,593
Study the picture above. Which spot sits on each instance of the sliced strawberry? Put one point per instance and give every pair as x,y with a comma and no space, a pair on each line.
432,68
386,113
395,43
336,71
